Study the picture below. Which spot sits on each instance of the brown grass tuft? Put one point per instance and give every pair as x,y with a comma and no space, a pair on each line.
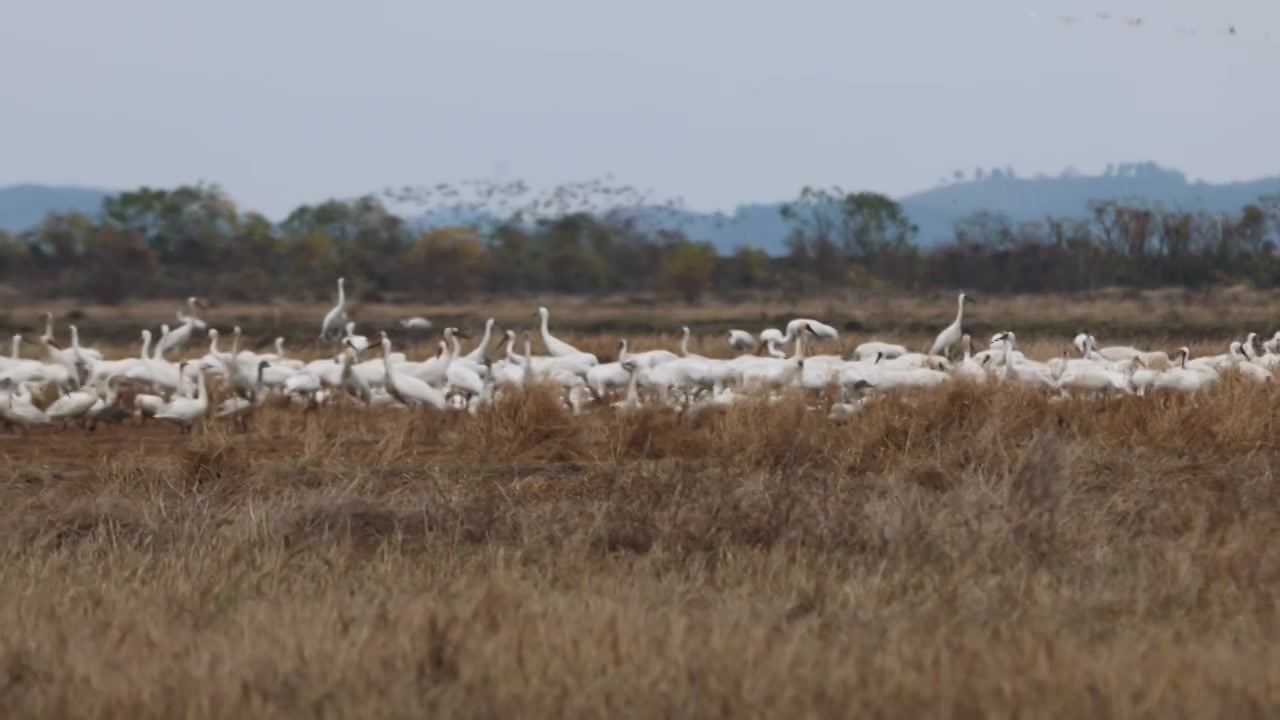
212,464
530,424
655,432
101,524
1037,483
362,524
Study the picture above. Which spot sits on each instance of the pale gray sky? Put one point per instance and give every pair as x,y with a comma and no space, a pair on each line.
717,101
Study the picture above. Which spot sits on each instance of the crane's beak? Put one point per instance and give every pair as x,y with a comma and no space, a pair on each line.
461,334
970,299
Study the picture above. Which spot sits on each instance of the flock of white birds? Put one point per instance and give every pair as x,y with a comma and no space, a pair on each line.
165,384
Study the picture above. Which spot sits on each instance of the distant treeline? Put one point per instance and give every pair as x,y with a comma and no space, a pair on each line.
193,240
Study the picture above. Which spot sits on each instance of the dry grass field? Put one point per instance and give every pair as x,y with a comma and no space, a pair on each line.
964,552
1126,314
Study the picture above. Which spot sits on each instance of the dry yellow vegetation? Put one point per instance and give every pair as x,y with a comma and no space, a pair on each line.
969,551
1193,315
966,552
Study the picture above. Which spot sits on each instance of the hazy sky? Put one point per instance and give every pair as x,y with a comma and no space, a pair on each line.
717,101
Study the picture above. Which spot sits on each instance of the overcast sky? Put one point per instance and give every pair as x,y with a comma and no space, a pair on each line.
717,101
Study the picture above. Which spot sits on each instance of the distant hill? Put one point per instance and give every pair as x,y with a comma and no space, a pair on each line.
24,206
1069,194
760,224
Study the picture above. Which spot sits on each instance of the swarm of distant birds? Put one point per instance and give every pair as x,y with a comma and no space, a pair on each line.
1131,21
516,202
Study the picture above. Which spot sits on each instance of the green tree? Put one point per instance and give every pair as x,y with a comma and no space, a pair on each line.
862,226
187,226
750,269
687,269
449,263
116,264
366,237
515,265
15,254
61,239
572,263
872,224
314,263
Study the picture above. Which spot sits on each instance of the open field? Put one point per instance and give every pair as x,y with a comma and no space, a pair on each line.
1113,314
975,553
966,551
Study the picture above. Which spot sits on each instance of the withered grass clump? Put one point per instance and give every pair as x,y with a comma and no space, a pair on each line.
529,424
361,523
970,551
594,324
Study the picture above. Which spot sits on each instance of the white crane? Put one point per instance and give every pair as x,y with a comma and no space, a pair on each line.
559,348
332,323
815,328
407,389
72,405
358,343
887,351
18,409
480,352
950,337
417,323
741,341
191,315
239,408
185,411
